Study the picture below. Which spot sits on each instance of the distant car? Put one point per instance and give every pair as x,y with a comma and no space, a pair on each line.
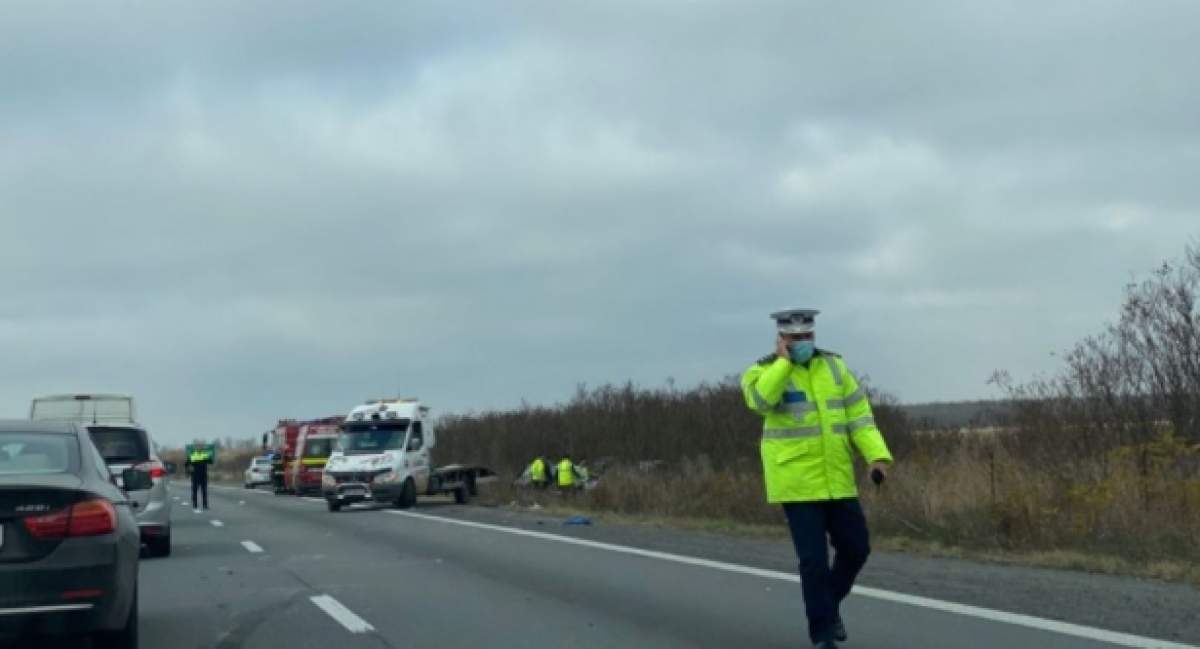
69,541
124,444
259,472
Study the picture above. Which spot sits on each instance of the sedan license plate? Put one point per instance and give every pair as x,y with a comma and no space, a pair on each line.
354,491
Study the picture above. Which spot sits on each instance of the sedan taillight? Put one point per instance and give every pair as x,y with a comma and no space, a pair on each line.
87,518
154,468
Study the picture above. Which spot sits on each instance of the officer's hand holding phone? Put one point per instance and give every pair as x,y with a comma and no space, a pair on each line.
781,348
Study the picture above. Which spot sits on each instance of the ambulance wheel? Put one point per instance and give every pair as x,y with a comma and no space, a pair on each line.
333,505
408,495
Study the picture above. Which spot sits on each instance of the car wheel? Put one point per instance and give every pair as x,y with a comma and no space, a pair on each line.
126,638
333,505
461,496
159,547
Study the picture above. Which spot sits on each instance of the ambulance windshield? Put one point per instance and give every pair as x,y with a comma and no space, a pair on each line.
360,438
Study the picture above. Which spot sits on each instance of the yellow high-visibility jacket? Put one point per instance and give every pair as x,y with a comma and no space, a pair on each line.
537,470
812,414
566,473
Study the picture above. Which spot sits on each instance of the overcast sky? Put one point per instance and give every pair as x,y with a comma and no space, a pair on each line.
244,211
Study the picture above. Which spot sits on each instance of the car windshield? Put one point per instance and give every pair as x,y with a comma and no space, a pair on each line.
262,461
319,447
121,445
38,453
372,437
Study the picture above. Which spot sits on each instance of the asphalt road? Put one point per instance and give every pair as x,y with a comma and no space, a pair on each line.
259,571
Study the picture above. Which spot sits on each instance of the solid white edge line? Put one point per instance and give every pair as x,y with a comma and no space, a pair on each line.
216,523
343,615
1065,628
252,547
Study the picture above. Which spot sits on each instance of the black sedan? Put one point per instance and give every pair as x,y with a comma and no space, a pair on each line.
69,542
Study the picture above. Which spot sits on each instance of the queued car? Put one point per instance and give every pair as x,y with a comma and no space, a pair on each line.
258,473
124,444
69,541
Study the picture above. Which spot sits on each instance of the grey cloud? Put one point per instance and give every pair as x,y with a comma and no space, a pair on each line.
245,212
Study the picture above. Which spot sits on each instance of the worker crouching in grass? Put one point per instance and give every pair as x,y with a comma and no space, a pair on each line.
539,473
814,414
565,475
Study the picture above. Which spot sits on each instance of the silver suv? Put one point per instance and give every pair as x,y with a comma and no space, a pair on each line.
124,444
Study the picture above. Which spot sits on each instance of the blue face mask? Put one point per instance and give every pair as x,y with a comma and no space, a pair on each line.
801,351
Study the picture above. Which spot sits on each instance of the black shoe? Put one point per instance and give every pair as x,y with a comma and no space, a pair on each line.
839,630
826,644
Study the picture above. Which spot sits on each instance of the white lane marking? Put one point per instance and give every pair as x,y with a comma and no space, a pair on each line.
1065,628
343,615
252,547
216,523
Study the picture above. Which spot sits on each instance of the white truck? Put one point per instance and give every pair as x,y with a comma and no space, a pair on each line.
384,454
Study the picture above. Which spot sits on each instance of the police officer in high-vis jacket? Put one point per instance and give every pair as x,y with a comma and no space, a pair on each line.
815,415
198,459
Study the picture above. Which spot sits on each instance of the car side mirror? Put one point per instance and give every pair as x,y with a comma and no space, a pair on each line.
414,444
135,480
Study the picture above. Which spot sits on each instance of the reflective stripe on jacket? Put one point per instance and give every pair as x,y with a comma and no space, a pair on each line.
812,414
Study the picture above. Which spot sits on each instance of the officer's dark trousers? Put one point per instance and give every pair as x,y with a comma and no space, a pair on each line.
825,587
199,483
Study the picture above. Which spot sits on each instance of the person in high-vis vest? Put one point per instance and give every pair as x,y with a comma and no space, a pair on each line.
537,472
198,459
815,415
566,474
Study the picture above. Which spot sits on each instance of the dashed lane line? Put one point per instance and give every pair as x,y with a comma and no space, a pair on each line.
343,615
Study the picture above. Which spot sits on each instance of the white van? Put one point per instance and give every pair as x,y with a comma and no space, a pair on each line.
384,454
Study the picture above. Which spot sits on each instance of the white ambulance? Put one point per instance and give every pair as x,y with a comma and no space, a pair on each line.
384,454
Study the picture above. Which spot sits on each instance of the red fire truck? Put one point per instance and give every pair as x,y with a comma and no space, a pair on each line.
314,444
285,450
